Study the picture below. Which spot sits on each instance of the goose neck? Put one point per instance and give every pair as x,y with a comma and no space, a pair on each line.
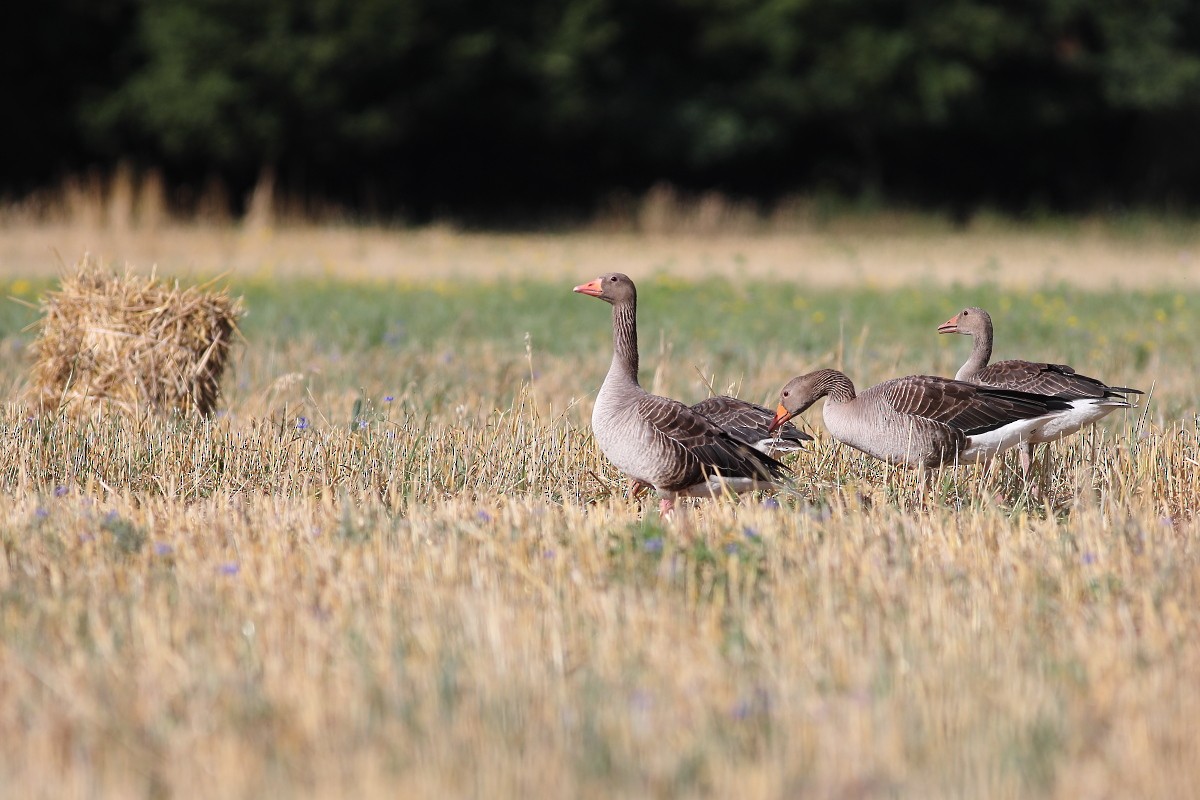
837,386
981,354
625,345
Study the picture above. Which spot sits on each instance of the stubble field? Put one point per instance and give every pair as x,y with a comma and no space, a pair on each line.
395,564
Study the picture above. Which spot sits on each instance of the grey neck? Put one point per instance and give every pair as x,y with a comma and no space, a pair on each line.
837,386
981,354
625,347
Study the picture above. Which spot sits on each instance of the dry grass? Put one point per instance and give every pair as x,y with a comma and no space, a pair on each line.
405,570
211,609
127,217
128,343
879,253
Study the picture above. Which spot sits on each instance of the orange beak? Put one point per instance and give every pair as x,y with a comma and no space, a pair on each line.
782,415
591,288
949,326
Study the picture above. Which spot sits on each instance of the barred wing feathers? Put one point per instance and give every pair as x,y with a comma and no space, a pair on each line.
967,407
748,422
699,447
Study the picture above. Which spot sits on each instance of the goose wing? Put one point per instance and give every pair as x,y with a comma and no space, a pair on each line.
965,406
1059,380
699,447
748,422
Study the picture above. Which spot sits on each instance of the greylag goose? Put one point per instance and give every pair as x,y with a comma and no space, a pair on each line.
920,420
658,441
1090,399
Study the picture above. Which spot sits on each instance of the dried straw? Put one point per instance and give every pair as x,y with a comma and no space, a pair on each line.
132,343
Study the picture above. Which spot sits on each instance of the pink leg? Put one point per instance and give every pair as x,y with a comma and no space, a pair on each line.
1035,491
1026,458
677,516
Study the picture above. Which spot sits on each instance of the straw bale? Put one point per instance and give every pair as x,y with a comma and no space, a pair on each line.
131,342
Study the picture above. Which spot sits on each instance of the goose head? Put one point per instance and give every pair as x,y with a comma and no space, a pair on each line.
611,287
800,393
970,321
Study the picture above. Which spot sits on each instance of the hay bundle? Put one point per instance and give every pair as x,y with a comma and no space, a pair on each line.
132,342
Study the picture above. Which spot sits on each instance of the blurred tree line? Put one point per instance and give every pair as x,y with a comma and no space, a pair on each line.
494,108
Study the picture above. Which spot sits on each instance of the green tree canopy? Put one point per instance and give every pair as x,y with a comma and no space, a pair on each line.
443,104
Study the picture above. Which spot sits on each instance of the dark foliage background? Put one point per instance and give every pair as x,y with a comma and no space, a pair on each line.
490,109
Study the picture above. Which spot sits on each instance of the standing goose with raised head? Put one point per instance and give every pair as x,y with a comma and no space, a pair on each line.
920,420
1089,399
658,441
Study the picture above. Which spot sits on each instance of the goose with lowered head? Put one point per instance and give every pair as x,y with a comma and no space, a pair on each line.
919,420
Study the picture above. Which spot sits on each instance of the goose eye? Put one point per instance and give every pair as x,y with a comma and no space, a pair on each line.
966,313
785,394
613,279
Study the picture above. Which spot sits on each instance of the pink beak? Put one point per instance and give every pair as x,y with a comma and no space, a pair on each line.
591,288
949,326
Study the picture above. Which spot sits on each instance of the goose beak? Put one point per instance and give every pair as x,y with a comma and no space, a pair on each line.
782,415
591,288
949,326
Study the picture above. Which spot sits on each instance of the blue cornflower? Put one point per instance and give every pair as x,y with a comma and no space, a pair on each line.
641,700
301,423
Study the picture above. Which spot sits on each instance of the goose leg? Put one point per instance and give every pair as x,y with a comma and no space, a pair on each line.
636,489
677,516
1026,453
1044,477
1026,458
929,496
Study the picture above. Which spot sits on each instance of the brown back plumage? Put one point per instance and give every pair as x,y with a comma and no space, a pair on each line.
701,448
967,407
1059,380
749,422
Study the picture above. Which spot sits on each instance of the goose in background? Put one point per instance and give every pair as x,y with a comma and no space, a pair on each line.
1089,399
